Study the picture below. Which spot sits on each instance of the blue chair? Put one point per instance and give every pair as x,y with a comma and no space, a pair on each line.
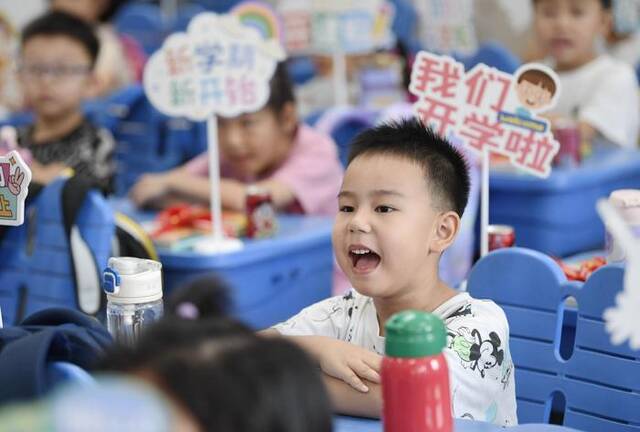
404,25
147,140
301,69
42,265
144,23
184,15
218,6
343,124
567,371
492,54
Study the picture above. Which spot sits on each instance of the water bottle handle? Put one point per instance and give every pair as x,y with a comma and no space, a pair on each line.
110,281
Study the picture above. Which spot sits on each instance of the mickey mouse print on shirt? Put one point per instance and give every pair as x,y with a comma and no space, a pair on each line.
474,351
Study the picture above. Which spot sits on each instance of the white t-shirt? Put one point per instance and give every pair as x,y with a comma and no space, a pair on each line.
603,93
477,352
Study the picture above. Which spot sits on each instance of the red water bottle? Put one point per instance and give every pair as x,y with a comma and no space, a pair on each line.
415,376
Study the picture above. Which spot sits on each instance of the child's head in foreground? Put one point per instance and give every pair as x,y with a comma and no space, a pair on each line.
402,197
226,377
58,53
567,30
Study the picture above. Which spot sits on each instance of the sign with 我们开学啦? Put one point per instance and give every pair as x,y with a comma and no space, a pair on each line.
328,26
488,109
218,67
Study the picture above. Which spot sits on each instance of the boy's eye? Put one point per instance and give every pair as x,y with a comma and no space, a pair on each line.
384,209
346,209
577,11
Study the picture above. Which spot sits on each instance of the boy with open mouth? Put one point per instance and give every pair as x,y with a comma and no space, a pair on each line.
401,200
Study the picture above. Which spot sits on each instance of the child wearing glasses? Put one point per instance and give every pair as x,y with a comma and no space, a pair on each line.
57,58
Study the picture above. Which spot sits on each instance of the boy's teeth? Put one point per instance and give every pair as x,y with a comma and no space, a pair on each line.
361,251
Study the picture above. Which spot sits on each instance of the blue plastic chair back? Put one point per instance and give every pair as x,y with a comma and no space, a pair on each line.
343,124
146,140
144,23
218,6
492,54
36,267
184,15
404,25
567,371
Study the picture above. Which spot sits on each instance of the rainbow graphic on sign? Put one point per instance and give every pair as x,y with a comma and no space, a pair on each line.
261,17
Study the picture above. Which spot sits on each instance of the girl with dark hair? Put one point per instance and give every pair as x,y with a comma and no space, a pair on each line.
227,378
297,165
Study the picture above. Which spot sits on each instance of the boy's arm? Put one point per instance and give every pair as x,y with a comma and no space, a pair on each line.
348,363
346,400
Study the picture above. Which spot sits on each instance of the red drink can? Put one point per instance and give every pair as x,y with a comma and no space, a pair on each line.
501,236
261,216
568,136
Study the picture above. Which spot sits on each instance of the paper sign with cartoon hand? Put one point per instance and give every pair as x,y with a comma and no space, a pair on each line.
15,177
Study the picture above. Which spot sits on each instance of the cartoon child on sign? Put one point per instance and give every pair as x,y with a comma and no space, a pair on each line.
535,89
15,177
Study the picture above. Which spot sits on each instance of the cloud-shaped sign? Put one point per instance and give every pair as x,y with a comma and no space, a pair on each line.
218,67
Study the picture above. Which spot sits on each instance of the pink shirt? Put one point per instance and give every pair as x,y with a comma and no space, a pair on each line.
312,171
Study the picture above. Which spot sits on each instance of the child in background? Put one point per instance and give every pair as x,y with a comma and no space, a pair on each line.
120,61
227,378
270,148
599,92
9,97
205,297
401,200
58,54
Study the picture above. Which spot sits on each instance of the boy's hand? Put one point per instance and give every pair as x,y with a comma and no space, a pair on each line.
348,362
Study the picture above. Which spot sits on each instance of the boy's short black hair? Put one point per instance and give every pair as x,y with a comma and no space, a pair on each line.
280,88
63,24
606,4
445,168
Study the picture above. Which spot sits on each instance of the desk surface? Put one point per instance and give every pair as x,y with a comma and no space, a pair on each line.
604,165
353,424
293,232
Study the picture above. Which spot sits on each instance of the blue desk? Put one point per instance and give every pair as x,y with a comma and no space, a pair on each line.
557,215
272,279
354,424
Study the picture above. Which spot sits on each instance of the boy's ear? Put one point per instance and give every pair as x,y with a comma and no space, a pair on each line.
288,118
607,23
447,226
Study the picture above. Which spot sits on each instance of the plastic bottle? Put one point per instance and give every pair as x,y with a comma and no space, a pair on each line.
134,296
415,376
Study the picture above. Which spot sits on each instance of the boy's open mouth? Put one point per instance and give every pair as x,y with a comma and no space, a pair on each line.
363,259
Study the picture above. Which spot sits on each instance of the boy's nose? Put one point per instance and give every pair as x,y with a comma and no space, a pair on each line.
233,138
358,223
562,21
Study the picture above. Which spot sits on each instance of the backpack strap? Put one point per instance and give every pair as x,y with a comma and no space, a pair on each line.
83,264
131,240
